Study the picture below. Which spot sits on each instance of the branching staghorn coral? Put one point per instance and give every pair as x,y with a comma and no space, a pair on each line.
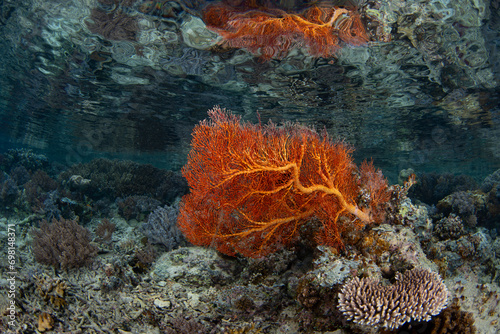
417,295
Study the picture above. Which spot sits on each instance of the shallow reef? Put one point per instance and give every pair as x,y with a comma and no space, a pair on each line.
130,271
268,229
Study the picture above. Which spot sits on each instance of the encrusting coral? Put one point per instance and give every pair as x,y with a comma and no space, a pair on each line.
253,186
417,295
272,32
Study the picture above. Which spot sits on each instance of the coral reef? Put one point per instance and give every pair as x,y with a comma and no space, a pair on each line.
450,227
134,286
63,244
254,186
161,227
116,178
105,230
271,32
417,295
293,290
432,187
469,206
136,207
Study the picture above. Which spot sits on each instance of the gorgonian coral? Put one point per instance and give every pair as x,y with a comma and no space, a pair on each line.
254,186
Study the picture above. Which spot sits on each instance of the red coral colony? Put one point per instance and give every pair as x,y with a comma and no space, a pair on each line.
272,32
254,186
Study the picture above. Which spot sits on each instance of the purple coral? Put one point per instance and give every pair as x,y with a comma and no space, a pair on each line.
161,227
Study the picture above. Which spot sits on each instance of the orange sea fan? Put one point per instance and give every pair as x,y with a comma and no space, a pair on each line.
254,186
273,32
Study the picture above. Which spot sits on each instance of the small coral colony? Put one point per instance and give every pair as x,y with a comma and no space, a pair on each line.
253,191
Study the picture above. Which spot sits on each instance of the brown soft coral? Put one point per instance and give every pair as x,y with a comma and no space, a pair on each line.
63,244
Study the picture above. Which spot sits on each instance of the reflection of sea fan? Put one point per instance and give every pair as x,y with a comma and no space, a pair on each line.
272,32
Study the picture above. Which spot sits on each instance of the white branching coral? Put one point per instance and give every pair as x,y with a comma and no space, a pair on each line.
417,295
